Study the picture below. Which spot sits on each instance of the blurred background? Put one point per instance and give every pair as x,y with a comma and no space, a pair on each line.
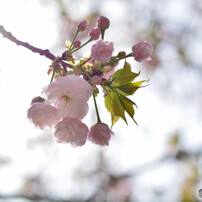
160,160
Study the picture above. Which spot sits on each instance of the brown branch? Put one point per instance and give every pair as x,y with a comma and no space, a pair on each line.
9,36
35,198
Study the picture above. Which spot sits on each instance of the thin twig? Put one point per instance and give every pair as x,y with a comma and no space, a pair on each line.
42,52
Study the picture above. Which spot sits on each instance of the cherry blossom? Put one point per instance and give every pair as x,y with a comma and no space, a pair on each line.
69,95
142,51
71,130
42,115
100,134
102,51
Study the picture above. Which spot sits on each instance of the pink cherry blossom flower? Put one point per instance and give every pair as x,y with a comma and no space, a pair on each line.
69,95
103,22
96,80
77,44
100,134
82,25
102,51
71,130
95,33
142,51
42,115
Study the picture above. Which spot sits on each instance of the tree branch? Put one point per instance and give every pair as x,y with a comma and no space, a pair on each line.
9,36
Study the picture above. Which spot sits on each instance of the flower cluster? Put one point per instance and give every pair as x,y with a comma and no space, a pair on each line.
65,100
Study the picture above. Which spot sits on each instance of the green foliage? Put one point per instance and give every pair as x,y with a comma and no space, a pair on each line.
124,76
117,90
130,88
114,106
127,66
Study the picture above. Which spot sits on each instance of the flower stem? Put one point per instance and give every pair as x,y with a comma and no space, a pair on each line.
71,46
53,74
96,109
126,56
82,45
103,33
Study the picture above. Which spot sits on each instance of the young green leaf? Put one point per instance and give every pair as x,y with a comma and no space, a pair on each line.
127,66
128,106
113,105
129,89
124,76
114,119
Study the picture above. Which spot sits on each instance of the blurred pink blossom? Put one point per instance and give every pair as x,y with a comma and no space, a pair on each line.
95,33
71,130
69,95
100,134
102,51
142,51
42,115
103,22
82,25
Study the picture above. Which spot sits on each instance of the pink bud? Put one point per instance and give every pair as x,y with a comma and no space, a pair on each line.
103,22
142,51
97,80
82,26
121,54
102,51
95,33
77,44
37,99
100,134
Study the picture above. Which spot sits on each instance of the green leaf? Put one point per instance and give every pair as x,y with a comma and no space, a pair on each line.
129,89
114,106
114,119
128,106
124,76
129,100
127,66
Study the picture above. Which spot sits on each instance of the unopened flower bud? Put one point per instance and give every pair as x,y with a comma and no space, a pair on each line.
37,99
77,44
82,26
97,80
142,51
103,22
95,33
121,54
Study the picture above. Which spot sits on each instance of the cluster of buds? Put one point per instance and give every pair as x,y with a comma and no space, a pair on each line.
65,100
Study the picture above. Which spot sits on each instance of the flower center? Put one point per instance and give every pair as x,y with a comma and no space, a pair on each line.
65,97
